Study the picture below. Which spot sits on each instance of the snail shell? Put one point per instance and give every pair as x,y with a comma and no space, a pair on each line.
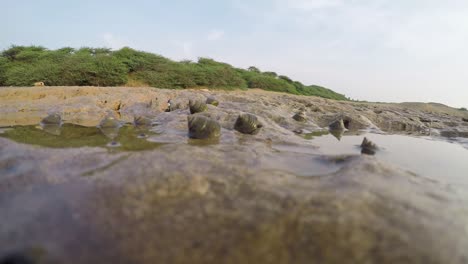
52,119
110,126
248,124
201,127
300,116
212,101
109,122
368,147
197,107
337,125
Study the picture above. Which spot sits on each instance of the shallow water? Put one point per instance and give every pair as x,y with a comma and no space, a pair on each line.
126,138
240,199
440,160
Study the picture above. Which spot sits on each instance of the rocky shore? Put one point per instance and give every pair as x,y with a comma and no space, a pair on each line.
264,197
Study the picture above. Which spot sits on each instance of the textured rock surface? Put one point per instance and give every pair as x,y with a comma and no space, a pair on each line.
239,201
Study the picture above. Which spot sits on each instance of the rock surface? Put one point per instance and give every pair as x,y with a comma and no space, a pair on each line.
239,201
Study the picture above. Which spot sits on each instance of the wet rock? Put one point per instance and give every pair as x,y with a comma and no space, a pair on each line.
142,125
212,101
300,116
248,124
298,131
337,125
16,258
197,107
142,121
425,120
201,127
368,147
449,133
314,108
451,123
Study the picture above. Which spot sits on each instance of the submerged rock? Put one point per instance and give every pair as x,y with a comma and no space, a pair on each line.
337,125
368,147
300,116
142,121
201,127
110,126
248,124
449,133
142,124
212,101
337,133
110,122
197,107
16,258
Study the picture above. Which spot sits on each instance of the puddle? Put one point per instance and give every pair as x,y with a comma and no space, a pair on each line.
439,160
127,138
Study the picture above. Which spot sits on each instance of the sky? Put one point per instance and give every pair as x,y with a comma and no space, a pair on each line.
375,50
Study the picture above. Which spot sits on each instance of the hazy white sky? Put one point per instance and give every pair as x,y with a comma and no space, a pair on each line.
377,50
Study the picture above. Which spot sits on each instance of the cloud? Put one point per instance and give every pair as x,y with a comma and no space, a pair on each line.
305,5
215,35
113,42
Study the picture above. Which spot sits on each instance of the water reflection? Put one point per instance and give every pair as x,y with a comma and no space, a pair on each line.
110,126
52,124
143,124
73,136
338,134
424,156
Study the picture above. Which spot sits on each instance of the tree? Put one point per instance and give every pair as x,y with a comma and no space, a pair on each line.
254,69
3,68
271,74
286,78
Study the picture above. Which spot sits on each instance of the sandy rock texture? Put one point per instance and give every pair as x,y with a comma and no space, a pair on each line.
237,200
87,105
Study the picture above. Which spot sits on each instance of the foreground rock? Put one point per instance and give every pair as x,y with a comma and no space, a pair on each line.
243,200
188,204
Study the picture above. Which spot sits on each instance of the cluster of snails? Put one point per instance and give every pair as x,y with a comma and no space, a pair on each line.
201,127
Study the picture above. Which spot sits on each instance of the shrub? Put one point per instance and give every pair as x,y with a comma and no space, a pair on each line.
22,66
254,69
272,84
271,74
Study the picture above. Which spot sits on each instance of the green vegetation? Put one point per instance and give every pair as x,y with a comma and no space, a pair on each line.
463,109
23,66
